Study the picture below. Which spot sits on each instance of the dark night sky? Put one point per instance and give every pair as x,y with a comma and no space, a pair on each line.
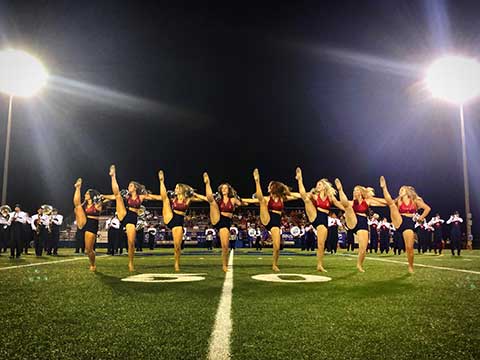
327,85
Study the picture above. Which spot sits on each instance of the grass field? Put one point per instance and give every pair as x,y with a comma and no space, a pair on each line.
62,311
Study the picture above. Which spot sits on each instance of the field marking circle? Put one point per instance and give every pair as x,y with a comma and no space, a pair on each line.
164,278
306,278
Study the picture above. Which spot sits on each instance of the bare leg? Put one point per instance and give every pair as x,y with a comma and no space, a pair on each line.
350,217
409,239
309,207
362,236
264,215
119,204
275,231
322,233
131,235
214,210
394,213
177,232
224,234
167,212
80,216
89,243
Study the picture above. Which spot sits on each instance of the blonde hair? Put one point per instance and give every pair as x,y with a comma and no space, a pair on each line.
185,190
410,191
327,186
367,192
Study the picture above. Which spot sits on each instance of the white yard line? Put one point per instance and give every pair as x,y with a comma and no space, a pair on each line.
420,265
220,338
47,263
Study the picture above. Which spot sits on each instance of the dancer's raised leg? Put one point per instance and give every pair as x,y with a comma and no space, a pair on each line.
80,216
350,217
119,204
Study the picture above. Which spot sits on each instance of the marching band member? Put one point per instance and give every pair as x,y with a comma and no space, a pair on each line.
174,211
46,229
437,222
258,239
421,230
384,229
233,237
5,223
317,206
35,224
429,236
28,233
113,227
151,231
221,212
333,224
402,212
356,211
271,208
140,234
17,234
127,209
56,222
209,236
455,222
398,243
87,215
373,224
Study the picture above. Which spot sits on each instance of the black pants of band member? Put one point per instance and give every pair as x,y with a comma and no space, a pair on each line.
16,239
37,241
455,242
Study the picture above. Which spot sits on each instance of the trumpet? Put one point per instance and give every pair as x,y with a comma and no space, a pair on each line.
5,211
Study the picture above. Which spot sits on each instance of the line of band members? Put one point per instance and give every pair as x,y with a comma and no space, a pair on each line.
18,230
429,235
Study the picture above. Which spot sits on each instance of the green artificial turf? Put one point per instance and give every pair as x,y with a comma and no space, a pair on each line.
63,311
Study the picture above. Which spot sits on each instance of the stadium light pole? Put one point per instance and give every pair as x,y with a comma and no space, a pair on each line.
21,75
456,79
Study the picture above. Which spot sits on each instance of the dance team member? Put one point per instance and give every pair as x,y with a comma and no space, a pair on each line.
317,207
87,214
402,211
221,212
271,208
174,211
127,209
356,211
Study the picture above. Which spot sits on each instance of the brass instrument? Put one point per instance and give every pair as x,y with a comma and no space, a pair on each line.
5,211
142,211
47,210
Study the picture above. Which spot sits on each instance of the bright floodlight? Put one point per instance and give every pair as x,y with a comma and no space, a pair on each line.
454,78
20,73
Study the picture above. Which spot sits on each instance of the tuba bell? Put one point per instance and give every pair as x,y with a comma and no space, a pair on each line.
5,211
47,209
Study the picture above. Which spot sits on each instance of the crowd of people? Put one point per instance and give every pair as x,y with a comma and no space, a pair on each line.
20,230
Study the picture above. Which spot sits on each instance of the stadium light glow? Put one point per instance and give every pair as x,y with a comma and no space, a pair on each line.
455,79
21,74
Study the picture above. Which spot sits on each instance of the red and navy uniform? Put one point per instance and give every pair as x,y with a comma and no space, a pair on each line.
373,234
274,206
225,207
360,208
407,222
177,219
132,216
455,222
322,217
91,224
